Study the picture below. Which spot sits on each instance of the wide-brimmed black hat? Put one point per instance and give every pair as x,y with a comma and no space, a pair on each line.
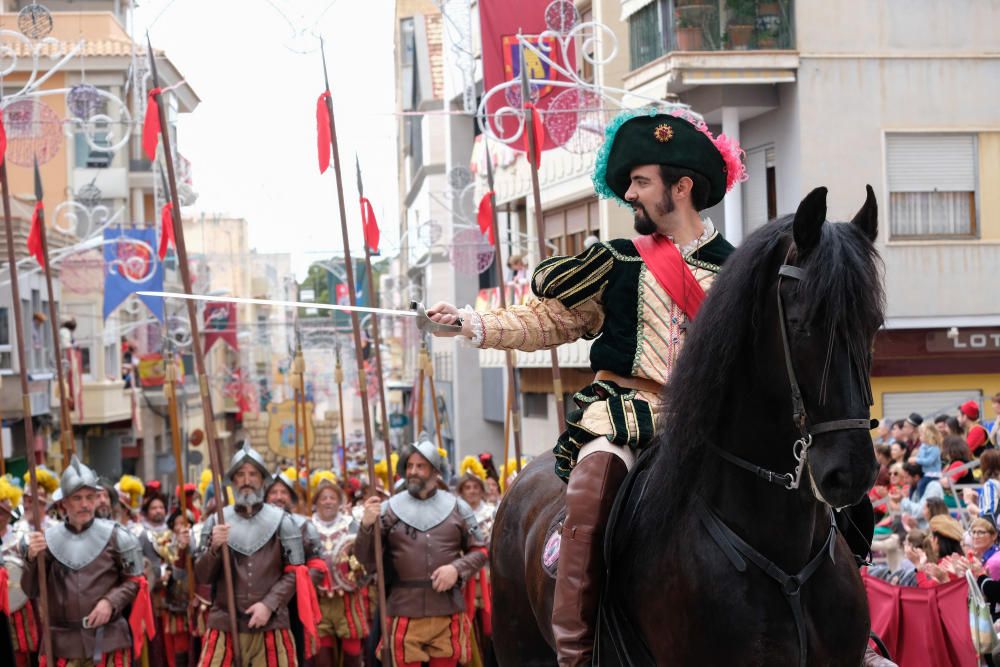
641,137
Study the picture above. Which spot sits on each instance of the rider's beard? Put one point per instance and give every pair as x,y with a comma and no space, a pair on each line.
102,511
643,224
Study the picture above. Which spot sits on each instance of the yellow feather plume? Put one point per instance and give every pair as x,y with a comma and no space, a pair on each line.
472,464
508,469
206,479
380,466
322,476
443,453
46,479
291,474
9,492
133,488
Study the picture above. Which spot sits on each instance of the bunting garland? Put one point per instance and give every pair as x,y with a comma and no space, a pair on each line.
539,128
151,125
370,225
35,235
323,132
166,229
484,216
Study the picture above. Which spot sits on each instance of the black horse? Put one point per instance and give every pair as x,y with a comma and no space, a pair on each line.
722,550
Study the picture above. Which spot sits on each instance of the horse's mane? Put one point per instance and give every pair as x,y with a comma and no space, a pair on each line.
843,281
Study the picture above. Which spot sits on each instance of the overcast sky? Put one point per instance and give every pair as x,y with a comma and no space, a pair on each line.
252,141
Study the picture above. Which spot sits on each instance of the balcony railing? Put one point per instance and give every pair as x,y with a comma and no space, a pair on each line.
709,25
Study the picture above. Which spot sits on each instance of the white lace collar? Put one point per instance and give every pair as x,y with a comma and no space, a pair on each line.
706,235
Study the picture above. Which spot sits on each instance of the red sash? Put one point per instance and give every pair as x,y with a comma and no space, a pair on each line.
664,260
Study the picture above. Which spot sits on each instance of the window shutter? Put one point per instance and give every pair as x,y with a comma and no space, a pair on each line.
630,7
918,162
755,189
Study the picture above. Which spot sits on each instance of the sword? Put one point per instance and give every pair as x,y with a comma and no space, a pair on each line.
417,310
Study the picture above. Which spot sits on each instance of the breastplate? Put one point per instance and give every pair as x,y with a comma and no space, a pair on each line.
248,534
422,514
78,550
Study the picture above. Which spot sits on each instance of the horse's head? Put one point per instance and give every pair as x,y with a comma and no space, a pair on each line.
829,305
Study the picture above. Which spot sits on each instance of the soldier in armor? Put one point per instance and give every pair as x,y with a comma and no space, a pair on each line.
263,541
471,488
94,574
344,602
433,545
22,631
173,546
282,493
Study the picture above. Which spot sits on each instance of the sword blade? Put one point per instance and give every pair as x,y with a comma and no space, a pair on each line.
286,304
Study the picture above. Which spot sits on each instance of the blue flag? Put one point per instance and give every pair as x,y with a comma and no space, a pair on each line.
131,265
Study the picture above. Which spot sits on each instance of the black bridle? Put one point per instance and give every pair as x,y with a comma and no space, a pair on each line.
735,548
800,449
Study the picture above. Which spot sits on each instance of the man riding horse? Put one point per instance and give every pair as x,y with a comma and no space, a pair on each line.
635,297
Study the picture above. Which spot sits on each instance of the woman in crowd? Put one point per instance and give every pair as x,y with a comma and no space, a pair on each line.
984,540
955,454
946,546
897,451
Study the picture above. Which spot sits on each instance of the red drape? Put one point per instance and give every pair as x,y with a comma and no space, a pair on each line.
140,619
922,626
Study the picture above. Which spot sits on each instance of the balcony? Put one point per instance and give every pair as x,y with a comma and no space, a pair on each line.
103,403
676,45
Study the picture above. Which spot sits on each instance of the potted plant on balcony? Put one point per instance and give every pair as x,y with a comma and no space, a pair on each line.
689,35
742,14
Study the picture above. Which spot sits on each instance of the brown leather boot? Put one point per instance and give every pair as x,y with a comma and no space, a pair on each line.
591,491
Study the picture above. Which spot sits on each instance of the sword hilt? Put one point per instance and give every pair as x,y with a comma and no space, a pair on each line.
426,325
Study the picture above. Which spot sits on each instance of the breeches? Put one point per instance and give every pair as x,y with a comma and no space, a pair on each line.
272,648
443,641
344,616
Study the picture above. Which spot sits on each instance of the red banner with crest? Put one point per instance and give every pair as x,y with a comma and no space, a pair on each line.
220,324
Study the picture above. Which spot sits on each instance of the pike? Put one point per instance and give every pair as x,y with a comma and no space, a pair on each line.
376,336
215,457
338,376
65,424
29,434
327,98
513,379
417,310
533,150
170,392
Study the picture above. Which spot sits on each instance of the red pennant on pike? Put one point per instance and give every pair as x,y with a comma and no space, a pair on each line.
166,229
35,235
151,125
323,131
370,225
484,216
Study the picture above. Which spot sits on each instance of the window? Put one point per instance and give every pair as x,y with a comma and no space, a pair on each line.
535,404
567,228
6,361
645,35
932,185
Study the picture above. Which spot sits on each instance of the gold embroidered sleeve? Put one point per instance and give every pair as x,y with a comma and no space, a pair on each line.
540,324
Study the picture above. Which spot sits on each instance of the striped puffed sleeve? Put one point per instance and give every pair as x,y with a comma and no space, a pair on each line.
566,307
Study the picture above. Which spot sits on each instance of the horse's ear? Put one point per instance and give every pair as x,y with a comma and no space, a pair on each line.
808,223
867,217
